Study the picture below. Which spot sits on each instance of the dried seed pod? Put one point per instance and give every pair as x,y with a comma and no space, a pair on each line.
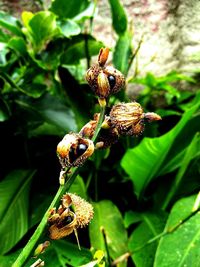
104,80
64,226
108,135
129,118
64,221
73,150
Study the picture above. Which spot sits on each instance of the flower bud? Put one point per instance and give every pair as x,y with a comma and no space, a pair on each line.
73,150
103,56
129,118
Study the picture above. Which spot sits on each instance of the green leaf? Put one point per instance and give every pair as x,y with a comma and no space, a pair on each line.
14,191
192,149
177,161
123,52
67,253
69,28
108,217
18,45
3,52
77,51
143,162
151,227
4,110
181,247
131,217
78,187
119,18
41,28
10,23
68,9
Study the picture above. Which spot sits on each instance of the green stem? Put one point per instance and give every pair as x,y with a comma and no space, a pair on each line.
98,128
24,255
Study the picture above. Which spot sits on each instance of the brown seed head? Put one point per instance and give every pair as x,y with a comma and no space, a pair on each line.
64,221
73,150
104,80
127,118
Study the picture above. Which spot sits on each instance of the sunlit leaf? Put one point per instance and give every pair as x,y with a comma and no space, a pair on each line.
69,28
151,227
68,9
119,17
123,52
41,29
108,218
18,45
66,253
10,23
143,162
181,247
14,191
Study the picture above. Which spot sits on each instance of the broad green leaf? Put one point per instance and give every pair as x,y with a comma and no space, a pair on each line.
151,227
41,29
53,111
119,18
180,248
10,23
67,254
87,13
192,149
68,9
176,161
14,191
26,17
143,162
77,51
108,218
69,28
18,45
78,187
131,217
123,52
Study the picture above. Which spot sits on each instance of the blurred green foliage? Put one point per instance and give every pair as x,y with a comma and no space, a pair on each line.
133,185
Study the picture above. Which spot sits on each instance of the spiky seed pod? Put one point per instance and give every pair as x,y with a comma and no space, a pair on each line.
63,221
104,80
129,118
83,210
73,150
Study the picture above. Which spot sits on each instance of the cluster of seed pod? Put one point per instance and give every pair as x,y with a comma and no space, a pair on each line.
75,148
123,119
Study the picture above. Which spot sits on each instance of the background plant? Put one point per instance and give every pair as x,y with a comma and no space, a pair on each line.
141,188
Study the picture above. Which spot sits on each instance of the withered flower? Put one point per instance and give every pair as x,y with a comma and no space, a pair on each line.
73,213
129,118
107,136
104,80
73,150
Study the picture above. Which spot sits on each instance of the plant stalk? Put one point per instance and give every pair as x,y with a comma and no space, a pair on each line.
25,253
